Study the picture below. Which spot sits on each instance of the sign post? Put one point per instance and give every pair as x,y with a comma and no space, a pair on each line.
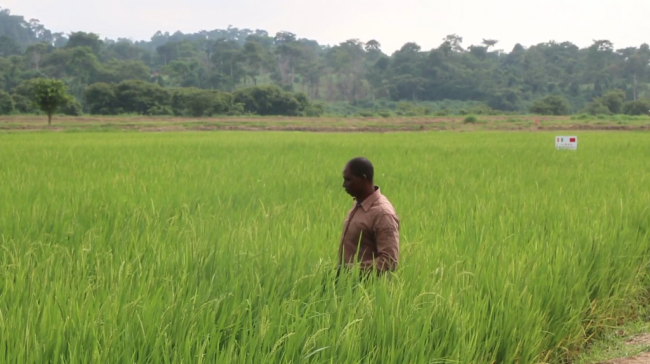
566,142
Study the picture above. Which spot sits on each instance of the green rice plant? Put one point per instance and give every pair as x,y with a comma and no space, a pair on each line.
221,247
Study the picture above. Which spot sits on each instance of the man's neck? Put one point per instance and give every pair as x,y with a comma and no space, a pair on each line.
365,194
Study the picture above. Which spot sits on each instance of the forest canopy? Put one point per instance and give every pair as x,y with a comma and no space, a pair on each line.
230,65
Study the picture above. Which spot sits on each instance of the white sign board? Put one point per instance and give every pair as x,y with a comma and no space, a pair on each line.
566,142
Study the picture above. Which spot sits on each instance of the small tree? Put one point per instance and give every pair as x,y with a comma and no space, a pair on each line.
49,95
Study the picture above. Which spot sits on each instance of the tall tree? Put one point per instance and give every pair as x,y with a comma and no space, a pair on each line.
83,39
35,53
489,43
254,55
8,46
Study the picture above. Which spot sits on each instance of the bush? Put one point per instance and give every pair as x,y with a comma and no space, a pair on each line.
24,104
196,102
315,110
443,112
550,105
236,109
483,110
608,104
471,119
582,116
409,109
6,103
270,100
385,113
613,100
141,97
366,114
100,99
24,89
597,108
22,96
638,107
72,108
201,104
160,110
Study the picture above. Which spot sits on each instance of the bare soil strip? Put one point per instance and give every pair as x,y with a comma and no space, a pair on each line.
381,125
643,358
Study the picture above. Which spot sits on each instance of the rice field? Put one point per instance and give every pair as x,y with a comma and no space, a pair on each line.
220,247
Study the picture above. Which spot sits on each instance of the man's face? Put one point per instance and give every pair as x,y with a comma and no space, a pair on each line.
352,184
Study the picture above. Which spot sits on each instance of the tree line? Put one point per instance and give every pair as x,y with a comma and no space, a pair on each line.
548,78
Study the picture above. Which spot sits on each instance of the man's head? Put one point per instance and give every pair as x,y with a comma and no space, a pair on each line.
358,176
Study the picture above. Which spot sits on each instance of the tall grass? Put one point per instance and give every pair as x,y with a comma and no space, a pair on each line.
219,247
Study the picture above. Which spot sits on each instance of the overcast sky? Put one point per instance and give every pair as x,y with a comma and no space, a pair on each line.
391,22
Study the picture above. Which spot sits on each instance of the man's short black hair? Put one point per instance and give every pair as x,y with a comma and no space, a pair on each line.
361,167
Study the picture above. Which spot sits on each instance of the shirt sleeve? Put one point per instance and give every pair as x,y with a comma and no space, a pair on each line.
387,237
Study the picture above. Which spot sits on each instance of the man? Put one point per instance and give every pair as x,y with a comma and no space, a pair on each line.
371,229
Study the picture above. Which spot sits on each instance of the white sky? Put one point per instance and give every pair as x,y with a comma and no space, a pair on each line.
392,23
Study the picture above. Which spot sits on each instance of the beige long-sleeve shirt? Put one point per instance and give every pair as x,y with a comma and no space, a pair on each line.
371,235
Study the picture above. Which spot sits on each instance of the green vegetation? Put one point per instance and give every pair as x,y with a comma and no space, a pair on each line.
6,103
49,96
550,105
620,342
219,247
354,76
472,119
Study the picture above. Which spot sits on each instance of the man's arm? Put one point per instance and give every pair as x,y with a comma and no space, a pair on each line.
387,237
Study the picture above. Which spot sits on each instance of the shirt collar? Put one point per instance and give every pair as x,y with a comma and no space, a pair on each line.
370,200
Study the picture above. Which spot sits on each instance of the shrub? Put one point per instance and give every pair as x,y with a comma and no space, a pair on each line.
160,110
315,110
6,103
236,110
483,109
638,107
443,112
72,108
270,100
100,99
196,102
140,97
385,113
550,105
597,108
613,100
471,119
409,109
582,116
24,104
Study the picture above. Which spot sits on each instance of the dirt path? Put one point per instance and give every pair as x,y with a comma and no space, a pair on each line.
641,342
639,359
